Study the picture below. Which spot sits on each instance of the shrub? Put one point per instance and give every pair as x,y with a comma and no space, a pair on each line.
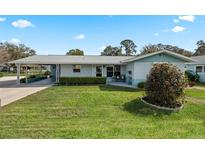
33,78
141,85
23,80
165,86
47,73
192,76
1,74
81,80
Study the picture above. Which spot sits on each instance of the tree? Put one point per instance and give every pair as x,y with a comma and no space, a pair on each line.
151,48
111,51
200,48
12,51
129,46
4,56
75,52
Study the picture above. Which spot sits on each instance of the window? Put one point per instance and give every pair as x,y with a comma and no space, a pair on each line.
199,69
76,68
110,71
98,71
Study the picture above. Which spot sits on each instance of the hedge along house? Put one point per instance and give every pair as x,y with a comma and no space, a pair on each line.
128,69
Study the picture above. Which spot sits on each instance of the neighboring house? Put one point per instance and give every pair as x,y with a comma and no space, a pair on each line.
198,66
133,69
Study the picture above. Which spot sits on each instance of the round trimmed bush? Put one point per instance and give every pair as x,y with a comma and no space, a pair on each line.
141,85
165,86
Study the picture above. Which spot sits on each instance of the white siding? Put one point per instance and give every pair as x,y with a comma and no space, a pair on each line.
85,71
129,67
123,69
141,70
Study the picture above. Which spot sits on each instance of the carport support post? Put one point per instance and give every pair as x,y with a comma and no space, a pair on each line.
57,73
26,74
18,74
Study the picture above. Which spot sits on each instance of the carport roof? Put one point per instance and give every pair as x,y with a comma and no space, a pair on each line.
63,59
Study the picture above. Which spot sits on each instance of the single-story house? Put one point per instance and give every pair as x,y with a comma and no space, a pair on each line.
133,69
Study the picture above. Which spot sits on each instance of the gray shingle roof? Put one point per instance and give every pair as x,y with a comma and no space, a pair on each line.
200,59
63,59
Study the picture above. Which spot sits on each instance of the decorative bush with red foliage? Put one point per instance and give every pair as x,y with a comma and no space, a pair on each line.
165,86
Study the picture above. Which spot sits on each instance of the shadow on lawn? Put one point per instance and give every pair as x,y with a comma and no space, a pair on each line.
138,108
117,88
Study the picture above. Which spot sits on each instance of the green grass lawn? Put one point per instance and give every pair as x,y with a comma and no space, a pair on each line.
10,73
99,112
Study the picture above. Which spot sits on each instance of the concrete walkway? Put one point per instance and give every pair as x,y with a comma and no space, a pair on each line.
10,92
121,84
197,87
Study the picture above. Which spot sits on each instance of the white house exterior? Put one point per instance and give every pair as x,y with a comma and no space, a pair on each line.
133,68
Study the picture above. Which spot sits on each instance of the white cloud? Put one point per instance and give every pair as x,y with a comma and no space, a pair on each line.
189,18
22,23
14,41
156,34
80,37
102,48
176,20
2,19
178,29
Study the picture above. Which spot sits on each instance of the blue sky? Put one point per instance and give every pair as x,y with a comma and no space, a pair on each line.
58,34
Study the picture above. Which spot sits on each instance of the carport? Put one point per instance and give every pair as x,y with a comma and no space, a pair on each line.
36,60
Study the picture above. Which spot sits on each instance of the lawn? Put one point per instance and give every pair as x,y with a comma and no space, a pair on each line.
8,73
99,112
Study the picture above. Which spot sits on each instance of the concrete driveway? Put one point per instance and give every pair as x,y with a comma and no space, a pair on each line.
7,81
10,92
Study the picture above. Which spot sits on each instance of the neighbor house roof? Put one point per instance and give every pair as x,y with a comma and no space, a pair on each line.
63,59
136,58
199,59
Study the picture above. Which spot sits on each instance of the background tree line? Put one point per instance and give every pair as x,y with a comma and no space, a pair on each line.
130,49
10,51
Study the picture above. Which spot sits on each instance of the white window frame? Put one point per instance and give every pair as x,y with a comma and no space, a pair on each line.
98,72
203,69
74,68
